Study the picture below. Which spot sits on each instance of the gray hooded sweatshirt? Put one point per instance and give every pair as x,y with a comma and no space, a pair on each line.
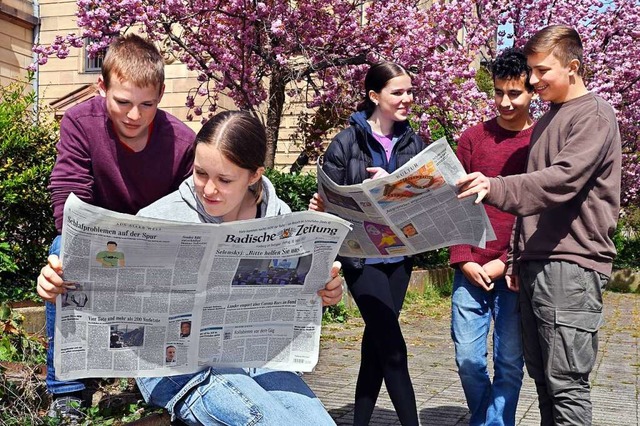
183,205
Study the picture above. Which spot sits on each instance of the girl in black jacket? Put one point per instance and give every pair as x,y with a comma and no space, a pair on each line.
378,140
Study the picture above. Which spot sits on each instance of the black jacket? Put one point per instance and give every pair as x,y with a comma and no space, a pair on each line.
350,153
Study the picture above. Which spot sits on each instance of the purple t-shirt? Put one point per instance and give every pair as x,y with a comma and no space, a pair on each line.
99,169
386,142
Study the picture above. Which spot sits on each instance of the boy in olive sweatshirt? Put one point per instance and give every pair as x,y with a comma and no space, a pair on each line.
568,203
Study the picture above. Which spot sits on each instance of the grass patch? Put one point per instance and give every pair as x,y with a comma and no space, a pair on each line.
433,302
339,313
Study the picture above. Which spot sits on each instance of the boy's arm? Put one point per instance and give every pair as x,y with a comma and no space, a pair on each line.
531,193
495,269
512,268
50,282
514,248
72,171
186,166
464,151
460,253
476,275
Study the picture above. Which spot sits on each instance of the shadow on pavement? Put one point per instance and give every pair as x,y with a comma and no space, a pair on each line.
443,415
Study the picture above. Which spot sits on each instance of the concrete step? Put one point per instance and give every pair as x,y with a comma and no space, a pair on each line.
34,319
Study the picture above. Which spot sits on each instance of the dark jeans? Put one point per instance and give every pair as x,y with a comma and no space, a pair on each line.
55,386
561,309
379,292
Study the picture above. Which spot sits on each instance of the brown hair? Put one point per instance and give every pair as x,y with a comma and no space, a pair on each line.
377,77
241,138
132,58
561,40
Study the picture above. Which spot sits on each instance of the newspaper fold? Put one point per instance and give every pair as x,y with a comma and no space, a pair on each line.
414,209
157,298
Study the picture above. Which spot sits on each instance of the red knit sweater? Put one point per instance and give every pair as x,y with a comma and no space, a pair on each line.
493,151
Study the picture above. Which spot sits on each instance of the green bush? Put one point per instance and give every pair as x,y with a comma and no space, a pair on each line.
295,189
484,80
627,240
628,256
338,313
16,345
27,153
432,259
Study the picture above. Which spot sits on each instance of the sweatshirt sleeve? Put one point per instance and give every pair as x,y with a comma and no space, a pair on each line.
72,170
580,157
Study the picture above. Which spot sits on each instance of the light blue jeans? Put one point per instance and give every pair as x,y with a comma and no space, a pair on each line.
236,397
472,309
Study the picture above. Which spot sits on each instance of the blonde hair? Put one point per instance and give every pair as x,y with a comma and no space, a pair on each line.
136,60
561,40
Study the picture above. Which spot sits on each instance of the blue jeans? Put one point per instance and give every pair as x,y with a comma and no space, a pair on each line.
472,309
235,396
55,386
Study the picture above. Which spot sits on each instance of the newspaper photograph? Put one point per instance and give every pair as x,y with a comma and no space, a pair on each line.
156,298
412,210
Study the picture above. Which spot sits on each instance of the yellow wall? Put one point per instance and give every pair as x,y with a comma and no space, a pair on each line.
16,37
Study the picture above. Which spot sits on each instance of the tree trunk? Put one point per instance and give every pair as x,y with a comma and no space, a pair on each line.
274,114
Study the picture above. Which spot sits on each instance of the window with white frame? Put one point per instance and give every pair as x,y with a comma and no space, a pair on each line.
92,64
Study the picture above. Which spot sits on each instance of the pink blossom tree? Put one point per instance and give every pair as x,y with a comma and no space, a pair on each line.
263,54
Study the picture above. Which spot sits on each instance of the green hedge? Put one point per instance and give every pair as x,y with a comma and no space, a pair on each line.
627,239
295,189
27,153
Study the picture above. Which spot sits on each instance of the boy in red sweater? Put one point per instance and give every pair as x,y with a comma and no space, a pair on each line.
496,147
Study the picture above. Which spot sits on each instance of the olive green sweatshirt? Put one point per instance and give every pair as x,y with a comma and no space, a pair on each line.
569,199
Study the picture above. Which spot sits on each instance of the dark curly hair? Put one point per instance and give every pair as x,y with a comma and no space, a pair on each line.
510,64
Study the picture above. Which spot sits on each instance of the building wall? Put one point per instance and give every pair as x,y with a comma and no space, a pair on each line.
16,39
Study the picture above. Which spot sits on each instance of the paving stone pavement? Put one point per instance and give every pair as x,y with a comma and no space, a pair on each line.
615,380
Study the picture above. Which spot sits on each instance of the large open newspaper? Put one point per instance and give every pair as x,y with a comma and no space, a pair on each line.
157,298
414,209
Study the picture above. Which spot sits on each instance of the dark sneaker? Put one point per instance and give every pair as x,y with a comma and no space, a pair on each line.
67,409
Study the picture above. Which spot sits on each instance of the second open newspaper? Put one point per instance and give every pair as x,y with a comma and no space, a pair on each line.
414,209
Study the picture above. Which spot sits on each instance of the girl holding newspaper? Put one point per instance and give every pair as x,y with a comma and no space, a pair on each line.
378,141
227,185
